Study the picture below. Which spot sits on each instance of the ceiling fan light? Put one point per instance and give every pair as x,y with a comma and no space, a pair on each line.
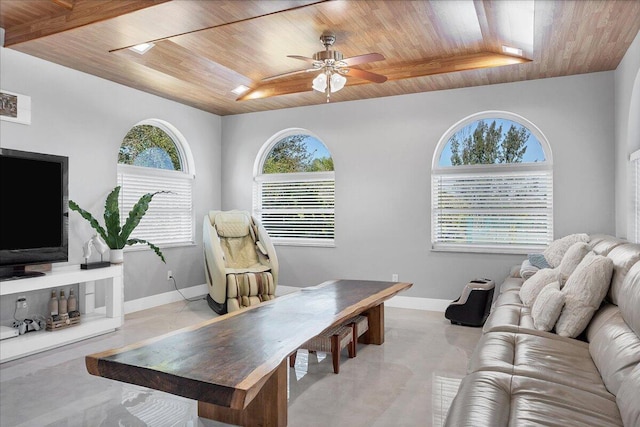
320,82
337,82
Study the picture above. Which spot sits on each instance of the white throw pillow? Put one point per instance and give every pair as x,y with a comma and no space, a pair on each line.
533,285
556,250
571,260
547,307
583,293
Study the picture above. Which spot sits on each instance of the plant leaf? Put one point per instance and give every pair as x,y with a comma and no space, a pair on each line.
136,214
87,215
151,245
112,220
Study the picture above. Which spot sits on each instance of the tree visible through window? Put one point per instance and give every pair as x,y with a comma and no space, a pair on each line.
492,187
294,195
499,142
298,153
149,146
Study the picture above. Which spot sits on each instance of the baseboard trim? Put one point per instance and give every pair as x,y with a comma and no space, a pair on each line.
414,303
164,298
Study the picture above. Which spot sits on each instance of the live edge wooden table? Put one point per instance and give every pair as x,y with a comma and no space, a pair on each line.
235,365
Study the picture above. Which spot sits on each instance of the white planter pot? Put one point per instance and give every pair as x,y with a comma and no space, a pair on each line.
116,256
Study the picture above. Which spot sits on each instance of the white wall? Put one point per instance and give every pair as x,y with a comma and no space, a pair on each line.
627,132
382,149
85,118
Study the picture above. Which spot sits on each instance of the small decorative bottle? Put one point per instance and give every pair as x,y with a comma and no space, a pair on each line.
72,303
62,303
53,303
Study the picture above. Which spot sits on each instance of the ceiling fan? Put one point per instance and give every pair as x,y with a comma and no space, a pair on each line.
332,67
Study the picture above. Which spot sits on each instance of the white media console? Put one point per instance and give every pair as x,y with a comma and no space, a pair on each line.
93,323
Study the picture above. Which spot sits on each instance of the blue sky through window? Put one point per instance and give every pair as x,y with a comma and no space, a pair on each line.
316,147
534,152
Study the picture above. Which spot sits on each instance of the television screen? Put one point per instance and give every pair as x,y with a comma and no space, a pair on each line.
34,216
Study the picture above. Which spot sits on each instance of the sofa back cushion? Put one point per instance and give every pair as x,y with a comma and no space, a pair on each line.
629,296
613,345
623,257
602,244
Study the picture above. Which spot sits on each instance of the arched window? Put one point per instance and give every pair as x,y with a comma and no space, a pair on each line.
492,186
154,156
294,189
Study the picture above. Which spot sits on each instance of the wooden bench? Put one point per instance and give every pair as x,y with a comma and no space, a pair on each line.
235,365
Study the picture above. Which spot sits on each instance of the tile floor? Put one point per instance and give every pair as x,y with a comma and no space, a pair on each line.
408,381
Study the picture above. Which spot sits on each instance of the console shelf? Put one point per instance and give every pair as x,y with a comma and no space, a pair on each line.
92,324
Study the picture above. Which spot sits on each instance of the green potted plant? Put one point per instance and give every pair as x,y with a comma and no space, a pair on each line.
117,237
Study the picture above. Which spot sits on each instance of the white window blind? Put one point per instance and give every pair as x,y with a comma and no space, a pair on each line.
170,218
635,199
297,208
508,212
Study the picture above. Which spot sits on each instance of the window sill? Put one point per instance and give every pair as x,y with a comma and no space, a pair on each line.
520,250
311,243
144,247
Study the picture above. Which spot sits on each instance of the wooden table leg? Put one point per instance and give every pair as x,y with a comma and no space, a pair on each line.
267,409
375,334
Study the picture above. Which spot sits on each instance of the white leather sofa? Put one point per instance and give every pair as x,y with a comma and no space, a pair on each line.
521,376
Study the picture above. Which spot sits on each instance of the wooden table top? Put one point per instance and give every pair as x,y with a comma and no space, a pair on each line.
226,360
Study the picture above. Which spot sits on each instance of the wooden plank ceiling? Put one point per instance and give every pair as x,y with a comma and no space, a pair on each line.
204,49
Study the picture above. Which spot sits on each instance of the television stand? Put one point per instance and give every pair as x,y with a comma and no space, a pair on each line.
102,321
19,274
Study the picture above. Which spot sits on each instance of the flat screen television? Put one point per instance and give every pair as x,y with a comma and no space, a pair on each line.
34,216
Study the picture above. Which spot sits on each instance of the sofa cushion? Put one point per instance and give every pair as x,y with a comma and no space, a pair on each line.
540,355
500,399
511,284
584,291
602,244
508,318
533,285
614,347
547,307
629,294
623,257
556,249
628,399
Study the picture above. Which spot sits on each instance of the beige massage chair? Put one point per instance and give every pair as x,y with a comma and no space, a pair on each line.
241,265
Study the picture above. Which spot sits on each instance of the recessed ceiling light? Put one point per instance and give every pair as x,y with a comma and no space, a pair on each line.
240,90
512,50
142,48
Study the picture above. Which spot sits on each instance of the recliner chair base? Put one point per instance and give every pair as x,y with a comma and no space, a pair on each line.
217,307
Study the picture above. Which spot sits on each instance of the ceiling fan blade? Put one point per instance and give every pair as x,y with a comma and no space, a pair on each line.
290,73
302,58
366,75
363,59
